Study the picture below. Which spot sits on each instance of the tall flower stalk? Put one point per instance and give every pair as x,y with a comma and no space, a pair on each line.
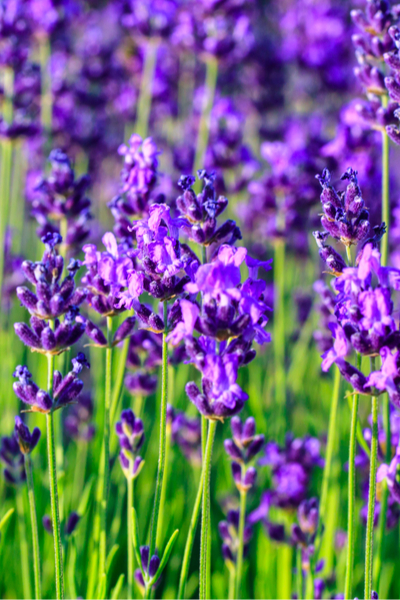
208,103
279,335
205,519
156,519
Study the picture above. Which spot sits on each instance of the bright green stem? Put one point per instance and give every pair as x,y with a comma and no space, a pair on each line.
106,455
190,540
208,103
23,542
46,106
371,496
55,513
119,381
232,580
146,89
205,517
385,197
242,520
299,574
279,336
155,521
310,584
130,538
348,590
332,436
5,185
72,568
35,535
380,542
348,255
159,538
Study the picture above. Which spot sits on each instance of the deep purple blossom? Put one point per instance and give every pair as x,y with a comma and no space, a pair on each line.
130,432
186,433
229,532
13,459
27,440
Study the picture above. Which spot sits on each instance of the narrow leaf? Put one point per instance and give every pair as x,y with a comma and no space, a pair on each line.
136,542
166,555
85,497
6,518
102,587
118,586
111,556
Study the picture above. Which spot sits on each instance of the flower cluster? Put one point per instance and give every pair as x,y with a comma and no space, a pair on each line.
78,421
130,433
52,299
186,433
59,201
304,532
65,389
242,449
228,530
13,459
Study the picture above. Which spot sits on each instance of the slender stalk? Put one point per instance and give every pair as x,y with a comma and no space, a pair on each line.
205,519
55,512
380,542
371,496
242,520
6,164
23,543
299,574
35,535
130,538
119,380
190,541
310,584
106,462
332,431
46,106
385,196
232,579
72,568
348,590
159,538
155,520
208,102
279,335
146,88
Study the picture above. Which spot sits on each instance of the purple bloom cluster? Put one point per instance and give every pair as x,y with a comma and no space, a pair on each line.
65,389
364,322
59,201
130,433
228,530
242,449
52,299
27,440
150,567
186,433
78,421
13,459
304,532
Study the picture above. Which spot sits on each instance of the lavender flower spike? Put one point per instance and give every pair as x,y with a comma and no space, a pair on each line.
130,432
27,440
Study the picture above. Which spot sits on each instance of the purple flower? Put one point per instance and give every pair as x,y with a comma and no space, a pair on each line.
77,422
59,196
13,459
244,446
72,523
389,472
150,567
229,533
186,433
27,440
130,432
27,391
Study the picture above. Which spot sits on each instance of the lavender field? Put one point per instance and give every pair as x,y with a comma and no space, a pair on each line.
199,277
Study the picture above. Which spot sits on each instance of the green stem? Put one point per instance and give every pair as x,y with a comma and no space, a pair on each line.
348,593
242,521
35,535
371,496
119,380
55,512
155,520
310,584
208,103
299,574
232,579
5,185
348,255
46,106
159,538
72,568
205,519
190,541
279,335
332,431
106,462
146,89
130,538
385,197
380,542
23,542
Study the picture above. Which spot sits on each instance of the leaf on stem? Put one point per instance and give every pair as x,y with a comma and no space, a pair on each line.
6,518
166,555
118,586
